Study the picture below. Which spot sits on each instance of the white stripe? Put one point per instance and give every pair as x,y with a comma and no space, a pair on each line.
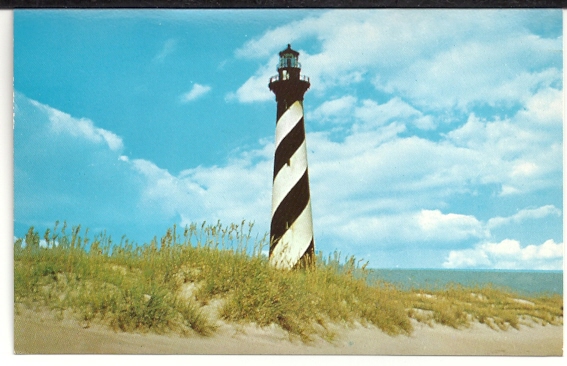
288,176
287,121
294,243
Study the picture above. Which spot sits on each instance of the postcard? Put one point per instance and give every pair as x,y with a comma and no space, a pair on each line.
303,181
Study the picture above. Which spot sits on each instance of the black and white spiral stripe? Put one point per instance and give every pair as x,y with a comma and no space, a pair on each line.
291,230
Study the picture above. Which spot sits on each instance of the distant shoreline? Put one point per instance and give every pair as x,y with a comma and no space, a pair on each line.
524,282
471,270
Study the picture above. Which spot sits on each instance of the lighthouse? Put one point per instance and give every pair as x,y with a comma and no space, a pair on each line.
291,231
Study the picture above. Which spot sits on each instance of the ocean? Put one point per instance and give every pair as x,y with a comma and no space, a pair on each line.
522,282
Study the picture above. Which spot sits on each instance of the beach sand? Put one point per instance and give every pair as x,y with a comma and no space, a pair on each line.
36,333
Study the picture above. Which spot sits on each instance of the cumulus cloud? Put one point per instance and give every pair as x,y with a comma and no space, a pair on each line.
231,193
471,74
196,92
404,229
519,153
516,153
63,123
67,168
241,188
369,114
380,164
255,89
461,67
372,114
372,189
369,186
451,226
335,111
523,215
60,177
508,254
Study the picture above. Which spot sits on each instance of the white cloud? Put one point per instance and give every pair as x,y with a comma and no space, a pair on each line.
467,75
276,39
133,194
368,187
372,114
368,190
42,242
113,141
231,193
196,92
434,60
164,192
255,89
521,153
507,190
168,48
379,164
405,229
368,115
467,258
69,169
63,123
523,215
434,224
334,111
371,188
544,109
508,254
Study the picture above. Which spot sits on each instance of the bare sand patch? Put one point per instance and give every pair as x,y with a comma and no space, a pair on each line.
39,333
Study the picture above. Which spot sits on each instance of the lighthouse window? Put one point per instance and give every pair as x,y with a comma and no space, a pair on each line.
288,61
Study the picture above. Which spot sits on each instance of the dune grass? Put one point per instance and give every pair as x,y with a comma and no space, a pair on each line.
172,285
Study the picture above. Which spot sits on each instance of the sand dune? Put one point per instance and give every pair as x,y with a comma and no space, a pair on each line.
35,333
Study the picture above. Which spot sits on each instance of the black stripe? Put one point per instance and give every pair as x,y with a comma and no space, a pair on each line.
288,146
289,209
307,260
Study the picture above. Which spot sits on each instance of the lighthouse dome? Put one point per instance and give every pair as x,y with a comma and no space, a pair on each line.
289,51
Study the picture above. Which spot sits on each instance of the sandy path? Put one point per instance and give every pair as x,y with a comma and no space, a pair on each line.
33,335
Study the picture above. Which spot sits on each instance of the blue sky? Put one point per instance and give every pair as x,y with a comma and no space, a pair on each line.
434,137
